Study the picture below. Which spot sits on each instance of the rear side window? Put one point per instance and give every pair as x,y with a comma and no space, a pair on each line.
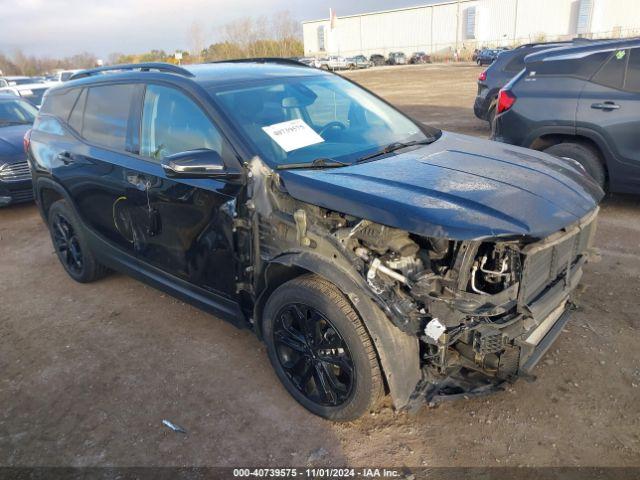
515,64
75,119
612,72
59,103
583,67
106,114
632,82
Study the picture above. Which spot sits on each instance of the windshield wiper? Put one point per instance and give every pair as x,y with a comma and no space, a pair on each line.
392,147
317,163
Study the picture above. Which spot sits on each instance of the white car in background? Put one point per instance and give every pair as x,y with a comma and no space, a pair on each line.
33,92
63,75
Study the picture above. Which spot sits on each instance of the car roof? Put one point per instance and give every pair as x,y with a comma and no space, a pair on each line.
207,75
574,51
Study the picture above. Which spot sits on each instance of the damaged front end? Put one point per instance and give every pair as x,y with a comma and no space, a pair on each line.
481,312
485,311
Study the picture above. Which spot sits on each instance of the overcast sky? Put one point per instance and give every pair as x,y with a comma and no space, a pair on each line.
63,27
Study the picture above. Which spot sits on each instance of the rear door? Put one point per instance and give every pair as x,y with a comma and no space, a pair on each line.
610,105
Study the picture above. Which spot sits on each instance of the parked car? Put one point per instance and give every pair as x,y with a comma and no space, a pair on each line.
377,60
33,92
18,80
333,63
359,61
419,57
397,58
487,56
579,102
16,117
63,75
498,74
297,204
310,61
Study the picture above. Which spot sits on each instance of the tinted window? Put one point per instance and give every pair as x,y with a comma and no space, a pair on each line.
583,67
612,72
173,123
515,64
75,119
106,114
633,71
60,103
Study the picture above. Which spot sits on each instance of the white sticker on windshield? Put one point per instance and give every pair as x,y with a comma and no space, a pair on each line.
292,135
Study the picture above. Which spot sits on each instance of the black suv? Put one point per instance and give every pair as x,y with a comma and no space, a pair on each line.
580,102
371,253
503,69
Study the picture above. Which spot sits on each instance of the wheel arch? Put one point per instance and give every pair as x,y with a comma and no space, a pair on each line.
398,352
47,193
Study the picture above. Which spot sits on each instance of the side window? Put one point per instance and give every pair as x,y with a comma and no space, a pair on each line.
60,103
515,64
106,114
583,67
632,82
48,124
75,119
612,72
173,123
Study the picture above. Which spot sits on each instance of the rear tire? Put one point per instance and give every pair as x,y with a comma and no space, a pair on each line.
586,155
71,246
316,339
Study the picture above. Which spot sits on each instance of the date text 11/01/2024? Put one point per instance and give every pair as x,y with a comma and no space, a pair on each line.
317,472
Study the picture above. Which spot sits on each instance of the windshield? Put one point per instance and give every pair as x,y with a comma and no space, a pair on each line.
16,112
298,120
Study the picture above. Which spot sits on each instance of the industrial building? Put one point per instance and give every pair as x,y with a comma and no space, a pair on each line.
463,25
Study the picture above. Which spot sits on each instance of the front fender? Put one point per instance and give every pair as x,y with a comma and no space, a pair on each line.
398,352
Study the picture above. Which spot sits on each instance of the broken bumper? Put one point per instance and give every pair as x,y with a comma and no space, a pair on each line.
467,383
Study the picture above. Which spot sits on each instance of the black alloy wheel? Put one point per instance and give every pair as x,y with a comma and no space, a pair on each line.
67,244
313,355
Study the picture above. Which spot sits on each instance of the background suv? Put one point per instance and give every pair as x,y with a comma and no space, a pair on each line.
498,74
580,102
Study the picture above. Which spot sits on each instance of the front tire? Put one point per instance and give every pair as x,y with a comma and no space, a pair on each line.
321,350
587,156
71,246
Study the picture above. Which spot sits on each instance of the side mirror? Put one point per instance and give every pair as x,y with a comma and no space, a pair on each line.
202,163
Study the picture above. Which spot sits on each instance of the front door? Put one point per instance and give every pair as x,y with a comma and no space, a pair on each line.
188,225
182,227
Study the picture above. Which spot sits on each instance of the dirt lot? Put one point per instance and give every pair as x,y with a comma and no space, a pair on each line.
90,371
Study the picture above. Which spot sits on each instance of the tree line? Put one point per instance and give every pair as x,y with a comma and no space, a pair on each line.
278,36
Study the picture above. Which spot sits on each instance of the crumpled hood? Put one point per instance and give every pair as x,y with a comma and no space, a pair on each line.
11,146
458,187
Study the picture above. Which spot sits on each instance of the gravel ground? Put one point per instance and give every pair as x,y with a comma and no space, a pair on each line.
90,371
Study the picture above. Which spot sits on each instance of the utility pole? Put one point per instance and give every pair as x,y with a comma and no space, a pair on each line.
457,24
515,23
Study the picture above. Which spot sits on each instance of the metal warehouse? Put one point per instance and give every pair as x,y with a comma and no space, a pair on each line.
447,27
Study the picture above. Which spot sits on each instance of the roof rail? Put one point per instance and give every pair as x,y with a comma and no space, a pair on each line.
283,61
143,67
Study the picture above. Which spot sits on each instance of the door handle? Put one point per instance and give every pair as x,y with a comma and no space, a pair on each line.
606,106
65,157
